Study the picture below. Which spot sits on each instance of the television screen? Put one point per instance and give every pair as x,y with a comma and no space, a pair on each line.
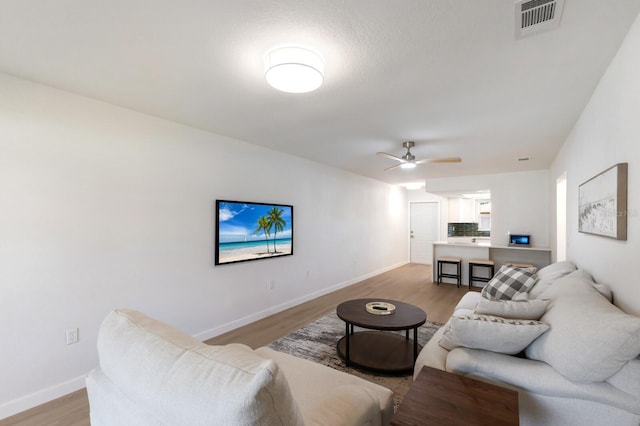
250,231
519,240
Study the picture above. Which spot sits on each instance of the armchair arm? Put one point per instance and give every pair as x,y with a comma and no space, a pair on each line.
536,377
344,405
432,354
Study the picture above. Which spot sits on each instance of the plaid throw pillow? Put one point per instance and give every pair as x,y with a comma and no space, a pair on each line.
509,283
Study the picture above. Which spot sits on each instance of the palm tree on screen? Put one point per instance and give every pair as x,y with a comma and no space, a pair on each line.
264,225
278,223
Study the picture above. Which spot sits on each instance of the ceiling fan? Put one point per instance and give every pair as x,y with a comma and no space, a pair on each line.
408,160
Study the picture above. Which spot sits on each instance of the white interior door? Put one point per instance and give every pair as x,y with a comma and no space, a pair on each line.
424,223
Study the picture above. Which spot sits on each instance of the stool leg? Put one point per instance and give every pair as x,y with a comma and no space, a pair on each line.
470,274
459,272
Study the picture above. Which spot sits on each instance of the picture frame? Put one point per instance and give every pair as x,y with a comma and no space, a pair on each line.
246,231
602,203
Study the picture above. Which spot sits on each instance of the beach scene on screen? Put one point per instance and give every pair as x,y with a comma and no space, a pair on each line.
249,231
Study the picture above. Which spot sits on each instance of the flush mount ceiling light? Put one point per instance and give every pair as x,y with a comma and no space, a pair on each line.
294,69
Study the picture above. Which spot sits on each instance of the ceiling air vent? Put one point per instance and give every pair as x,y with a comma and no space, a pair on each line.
535,16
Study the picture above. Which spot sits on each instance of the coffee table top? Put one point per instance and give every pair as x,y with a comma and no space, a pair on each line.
406,316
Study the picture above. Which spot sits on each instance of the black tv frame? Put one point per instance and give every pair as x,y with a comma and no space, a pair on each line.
253,243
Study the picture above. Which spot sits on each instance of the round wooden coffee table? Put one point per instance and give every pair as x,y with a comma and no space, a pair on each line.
377,350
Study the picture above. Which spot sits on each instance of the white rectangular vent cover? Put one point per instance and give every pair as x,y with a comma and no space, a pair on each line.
534,16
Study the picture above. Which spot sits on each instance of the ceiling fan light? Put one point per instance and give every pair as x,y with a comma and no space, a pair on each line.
294,69
408,165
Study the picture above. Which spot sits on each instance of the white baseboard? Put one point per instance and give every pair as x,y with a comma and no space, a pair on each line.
213,332
34,399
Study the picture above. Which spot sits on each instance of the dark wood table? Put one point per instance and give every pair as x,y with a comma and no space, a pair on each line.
376,350
441,398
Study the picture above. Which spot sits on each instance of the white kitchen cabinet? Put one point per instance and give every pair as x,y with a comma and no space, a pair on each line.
462,210
483,206
483,215
484,222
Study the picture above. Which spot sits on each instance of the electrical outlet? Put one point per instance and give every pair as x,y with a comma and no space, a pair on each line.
272,284
71,336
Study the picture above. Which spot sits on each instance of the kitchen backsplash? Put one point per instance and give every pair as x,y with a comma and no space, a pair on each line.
465,229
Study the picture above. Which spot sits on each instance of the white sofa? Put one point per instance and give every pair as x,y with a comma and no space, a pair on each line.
152,374
584,370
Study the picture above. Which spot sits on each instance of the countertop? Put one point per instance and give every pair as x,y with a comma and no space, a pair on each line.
484,244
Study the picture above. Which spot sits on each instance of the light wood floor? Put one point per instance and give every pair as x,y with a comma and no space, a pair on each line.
410,283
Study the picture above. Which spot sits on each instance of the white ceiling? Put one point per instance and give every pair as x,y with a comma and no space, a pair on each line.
448,74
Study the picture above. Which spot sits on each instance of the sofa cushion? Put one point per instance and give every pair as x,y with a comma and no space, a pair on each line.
522,309
604,290
590,339
548,274
628,378
491,333
467,303
183,381
330,397
509,283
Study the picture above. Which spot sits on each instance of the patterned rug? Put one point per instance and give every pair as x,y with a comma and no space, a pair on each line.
317,342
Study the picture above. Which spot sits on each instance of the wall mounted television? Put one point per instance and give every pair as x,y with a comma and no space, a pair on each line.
252,231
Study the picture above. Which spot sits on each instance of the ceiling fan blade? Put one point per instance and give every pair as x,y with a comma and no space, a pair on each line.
393,157
392,167
440,160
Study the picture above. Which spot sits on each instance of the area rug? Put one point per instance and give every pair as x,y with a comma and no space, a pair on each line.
317,342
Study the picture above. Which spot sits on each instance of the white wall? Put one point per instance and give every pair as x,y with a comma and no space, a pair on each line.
519,202
103,207
607,133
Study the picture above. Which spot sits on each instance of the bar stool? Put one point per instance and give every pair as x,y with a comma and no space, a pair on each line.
450,261
480,263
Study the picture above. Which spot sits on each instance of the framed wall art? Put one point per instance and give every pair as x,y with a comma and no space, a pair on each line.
602,203
250,231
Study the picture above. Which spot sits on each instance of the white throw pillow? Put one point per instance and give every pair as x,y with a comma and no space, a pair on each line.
590,339
490,333
509,283
548,274
521,309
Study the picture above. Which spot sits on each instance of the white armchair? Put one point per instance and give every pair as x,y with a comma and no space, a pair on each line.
152,374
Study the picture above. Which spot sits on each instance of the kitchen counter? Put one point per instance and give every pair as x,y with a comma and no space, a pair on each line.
488,244
537,256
